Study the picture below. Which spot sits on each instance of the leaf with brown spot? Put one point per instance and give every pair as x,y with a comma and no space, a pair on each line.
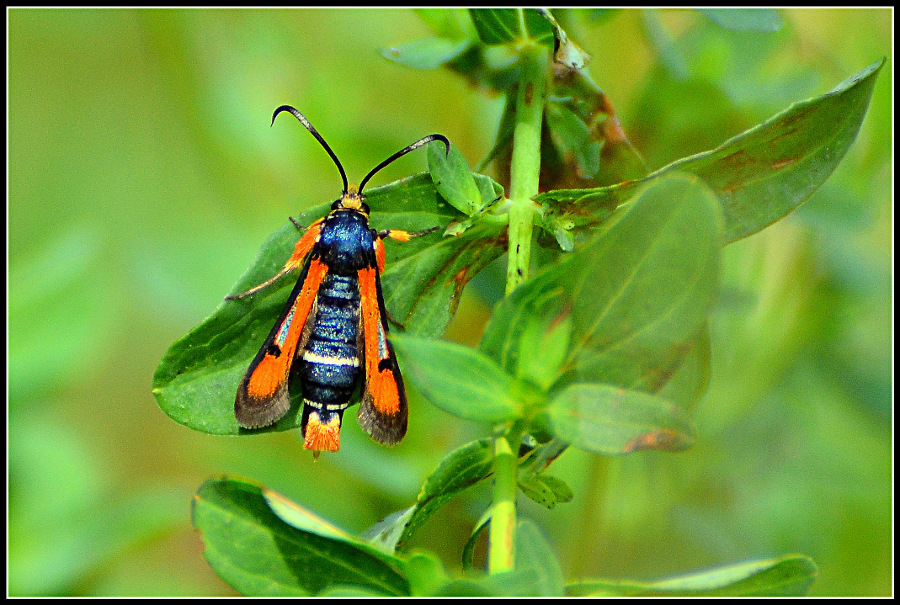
608,420
760,175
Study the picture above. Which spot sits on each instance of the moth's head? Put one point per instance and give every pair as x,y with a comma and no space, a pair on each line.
351,199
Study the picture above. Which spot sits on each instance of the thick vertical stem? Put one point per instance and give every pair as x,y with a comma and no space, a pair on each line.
501,553
525,168
525,172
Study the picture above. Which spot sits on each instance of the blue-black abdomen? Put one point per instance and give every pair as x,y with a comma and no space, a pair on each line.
329,365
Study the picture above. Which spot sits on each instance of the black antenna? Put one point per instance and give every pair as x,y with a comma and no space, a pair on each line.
319,138
404,151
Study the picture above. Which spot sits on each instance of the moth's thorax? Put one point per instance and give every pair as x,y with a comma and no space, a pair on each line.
346,243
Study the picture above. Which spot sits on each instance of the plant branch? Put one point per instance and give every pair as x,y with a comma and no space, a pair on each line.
525,167
501,553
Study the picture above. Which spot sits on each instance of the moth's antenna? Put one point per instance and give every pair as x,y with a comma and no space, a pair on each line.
403,152
319,138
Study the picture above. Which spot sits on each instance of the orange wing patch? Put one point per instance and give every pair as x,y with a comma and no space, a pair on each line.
262,397
305,244
380,381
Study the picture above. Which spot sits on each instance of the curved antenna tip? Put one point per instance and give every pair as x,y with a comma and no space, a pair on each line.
404,151
306,124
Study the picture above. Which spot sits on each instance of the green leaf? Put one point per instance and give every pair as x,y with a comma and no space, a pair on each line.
572,136
301,518
745,19
453,179
467,588
387,533
690,382
425,572
639,292
257,553
544,345
535,557
453,23
505,25
424,278
458,471
196,381
584,144
791,575
546,490
609,420
426,53
524,583
760,175
460,380
468,553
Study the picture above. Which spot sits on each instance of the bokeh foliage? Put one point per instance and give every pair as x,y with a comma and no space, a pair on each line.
143,177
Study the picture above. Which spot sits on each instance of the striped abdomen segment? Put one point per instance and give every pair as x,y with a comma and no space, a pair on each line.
329,363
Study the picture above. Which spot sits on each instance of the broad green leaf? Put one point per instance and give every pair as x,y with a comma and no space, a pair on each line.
789,576
760,175
460,380
609,420
536,557
505,25
639,292
690,382
257,553
453,179
544,345
426,53
196,381
745,19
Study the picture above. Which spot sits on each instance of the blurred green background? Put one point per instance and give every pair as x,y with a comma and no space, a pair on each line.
143,176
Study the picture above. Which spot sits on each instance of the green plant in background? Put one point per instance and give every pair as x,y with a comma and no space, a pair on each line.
601,342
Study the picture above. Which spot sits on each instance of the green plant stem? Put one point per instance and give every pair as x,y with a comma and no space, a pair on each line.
525,172
525,167
501,552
